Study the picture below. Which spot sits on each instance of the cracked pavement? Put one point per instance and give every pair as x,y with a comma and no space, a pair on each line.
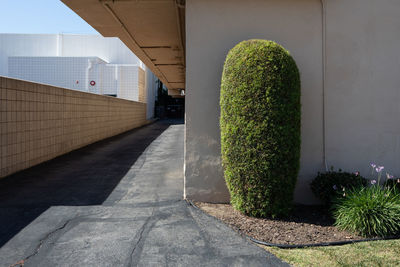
116,203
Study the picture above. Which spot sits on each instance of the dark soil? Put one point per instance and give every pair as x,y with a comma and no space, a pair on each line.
306,225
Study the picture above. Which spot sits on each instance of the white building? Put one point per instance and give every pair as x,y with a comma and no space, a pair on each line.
90,63
88,74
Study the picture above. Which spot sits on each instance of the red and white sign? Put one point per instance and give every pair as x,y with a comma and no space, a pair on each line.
92,83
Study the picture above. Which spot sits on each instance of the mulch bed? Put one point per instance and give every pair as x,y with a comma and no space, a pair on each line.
306,225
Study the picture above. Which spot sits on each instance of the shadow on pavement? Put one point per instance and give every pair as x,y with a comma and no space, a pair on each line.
80,178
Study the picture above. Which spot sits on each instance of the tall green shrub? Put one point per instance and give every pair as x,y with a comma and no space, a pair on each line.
260,127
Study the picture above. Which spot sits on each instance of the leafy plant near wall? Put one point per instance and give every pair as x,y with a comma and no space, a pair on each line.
325,185
260,127
393,183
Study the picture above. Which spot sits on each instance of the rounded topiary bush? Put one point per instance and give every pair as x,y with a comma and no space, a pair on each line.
260,127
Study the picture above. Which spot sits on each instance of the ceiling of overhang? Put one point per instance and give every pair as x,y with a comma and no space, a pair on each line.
153,29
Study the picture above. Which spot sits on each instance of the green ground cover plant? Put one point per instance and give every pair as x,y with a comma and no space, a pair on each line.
370,211
368,254
260,127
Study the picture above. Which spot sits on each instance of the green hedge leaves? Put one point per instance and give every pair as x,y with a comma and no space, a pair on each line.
260,127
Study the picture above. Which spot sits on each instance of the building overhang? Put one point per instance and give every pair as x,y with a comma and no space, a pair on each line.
154,30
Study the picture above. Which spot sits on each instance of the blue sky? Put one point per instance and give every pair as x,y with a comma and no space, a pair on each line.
40,16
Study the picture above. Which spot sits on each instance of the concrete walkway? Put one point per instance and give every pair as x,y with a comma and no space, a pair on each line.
116,203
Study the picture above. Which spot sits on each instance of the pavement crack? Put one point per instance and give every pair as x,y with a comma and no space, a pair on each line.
41,242
138,247
44,239
140,238
203,233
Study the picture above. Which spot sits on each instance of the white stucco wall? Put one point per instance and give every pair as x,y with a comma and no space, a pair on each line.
213,27
362,85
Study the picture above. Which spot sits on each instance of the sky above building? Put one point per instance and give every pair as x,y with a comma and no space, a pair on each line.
40,16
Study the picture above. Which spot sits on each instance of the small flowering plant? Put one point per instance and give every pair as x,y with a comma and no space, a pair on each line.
376,169
390,181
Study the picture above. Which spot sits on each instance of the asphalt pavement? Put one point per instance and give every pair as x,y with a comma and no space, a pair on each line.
116,203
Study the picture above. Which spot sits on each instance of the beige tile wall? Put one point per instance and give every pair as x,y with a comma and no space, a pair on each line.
142,85
39,122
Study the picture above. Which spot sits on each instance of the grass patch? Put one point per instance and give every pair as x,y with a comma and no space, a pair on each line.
376,253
